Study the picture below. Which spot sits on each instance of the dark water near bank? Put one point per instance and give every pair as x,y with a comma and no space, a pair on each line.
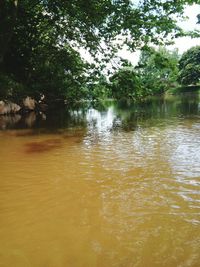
115,184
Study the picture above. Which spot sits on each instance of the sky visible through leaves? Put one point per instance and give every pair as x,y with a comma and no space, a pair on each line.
183,43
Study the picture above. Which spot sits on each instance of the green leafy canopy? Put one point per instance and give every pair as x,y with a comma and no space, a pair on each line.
189,67
40,39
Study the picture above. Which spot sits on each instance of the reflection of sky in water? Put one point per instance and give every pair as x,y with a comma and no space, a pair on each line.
99,125
103,121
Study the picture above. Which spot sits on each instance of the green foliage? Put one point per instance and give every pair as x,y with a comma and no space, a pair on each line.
39,40
189,66
125,83
158,69
99,89
183,89
10,89
58,74
155,73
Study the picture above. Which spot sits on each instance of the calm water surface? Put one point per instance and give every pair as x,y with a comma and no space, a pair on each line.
112,186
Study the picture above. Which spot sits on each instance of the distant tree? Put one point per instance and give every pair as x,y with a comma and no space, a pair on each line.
158,69
189,66
125,83
99,88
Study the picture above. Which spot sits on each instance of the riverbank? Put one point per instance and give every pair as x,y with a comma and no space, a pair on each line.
183,89
28,104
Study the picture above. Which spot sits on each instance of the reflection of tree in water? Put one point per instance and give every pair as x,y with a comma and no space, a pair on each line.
156,110
8,121
51,121
19,121
189,104
125,115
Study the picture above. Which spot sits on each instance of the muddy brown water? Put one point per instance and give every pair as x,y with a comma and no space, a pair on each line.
121,191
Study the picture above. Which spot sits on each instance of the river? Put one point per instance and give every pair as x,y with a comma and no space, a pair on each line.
113,185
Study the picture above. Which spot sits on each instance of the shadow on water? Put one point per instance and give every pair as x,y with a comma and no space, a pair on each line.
124,115
43,146
75,137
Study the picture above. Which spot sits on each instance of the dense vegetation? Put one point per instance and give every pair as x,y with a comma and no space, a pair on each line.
189,67
40,43
155,72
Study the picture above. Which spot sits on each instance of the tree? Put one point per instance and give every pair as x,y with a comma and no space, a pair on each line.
158,69
189,66
98,89
35,34
125,83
